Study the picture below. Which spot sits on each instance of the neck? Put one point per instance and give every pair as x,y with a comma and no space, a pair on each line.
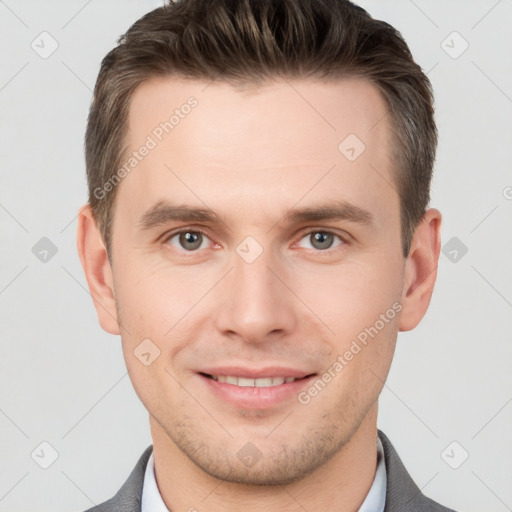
342,483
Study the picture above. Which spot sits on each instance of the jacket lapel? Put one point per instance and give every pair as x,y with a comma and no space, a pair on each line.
402,494
128,498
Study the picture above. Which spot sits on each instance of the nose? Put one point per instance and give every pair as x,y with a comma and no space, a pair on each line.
255,303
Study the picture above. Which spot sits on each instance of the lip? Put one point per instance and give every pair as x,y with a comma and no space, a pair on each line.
256,398
256,373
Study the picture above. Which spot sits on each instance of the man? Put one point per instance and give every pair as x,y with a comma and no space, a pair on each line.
258,233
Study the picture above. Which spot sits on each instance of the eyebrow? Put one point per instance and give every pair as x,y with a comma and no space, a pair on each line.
164,212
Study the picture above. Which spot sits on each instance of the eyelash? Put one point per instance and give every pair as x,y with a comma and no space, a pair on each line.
343,240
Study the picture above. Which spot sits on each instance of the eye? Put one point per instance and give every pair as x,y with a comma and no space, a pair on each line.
322,240
188,239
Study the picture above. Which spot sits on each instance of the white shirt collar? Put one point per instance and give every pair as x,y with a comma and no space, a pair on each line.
375,499
151,499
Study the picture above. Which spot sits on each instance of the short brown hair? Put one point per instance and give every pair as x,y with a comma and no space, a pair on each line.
250,41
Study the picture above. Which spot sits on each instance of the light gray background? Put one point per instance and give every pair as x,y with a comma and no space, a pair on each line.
63,380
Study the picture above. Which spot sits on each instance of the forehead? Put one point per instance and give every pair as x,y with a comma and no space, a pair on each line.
322,111
210,139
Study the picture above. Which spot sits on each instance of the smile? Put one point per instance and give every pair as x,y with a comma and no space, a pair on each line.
264,382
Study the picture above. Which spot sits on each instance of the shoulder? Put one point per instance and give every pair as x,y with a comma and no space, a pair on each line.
128,498
402,494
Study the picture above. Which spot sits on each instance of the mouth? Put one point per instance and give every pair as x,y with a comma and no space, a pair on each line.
262,382
247,388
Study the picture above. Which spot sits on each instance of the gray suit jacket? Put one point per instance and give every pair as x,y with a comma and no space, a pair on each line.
402,494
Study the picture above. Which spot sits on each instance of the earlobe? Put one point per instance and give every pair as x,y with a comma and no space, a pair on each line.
421,270
98,272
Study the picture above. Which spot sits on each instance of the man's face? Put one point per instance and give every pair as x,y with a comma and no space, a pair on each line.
259,293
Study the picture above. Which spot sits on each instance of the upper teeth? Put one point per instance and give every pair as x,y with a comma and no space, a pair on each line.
258,383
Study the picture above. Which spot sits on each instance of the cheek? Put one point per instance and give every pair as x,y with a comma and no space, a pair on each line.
156,307
360,305
359,367
350,297
150,300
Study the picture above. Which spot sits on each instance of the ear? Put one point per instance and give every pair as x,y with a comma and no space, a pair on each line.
98,272
421,270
